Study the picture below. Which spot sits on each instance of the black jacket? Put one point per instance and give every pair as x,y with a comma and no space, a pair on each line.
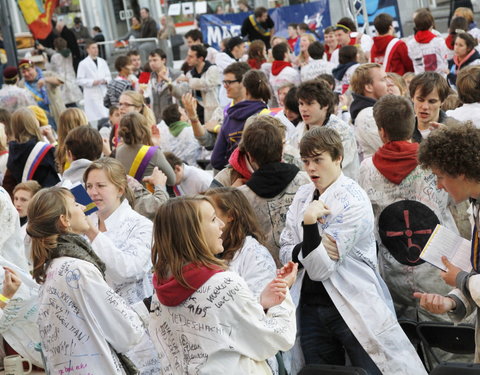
46,173
271,179
452,75
359,103
417,136
252,34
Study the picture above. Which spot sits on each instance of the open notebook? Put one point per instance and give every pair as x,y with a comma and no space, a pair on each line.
444,242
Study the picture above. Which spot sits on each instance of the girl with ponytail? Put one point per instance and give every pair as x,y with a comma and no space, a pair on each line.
78,312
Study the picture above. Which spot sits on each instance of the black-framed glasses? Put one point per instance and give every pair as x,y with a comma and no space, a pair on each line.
228,83
126,105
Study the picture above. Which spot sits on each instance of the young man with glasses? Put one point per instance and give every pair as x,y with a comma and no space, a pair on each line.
232,83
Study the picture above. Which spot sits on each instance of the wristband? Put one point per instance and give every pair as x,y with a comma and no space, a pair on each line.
195,119
4,299
216,129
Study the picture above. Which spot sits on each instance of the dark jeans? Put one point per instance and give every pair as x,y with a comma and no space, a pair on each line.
325,337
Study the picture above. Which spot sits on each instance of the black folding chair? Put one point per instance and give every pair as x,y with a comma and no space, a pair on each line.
409,326
449,368
331,370
456,339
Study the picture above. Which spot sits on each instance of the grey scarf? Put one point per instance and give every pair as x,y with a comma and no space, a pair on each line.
75,246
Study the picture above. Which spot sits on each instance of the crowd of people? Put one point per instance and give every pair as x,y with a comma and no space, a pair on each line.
262,209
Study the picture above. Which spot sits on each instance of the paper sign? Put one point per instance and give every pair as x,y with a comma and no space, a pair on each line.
201,7
187,8
174,9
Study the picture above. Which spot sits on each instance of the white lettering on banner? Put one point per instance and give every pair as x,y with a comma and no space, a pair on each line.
215,34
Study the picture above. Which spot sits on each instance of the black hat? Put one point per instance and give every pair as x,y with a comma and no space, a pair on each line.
405,228
233,42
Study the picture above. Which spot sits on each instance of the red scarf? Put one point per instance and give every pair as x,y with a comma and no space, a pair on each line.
255,64
353,41
278,66
328,52
171,293
395,160
424,36
239,163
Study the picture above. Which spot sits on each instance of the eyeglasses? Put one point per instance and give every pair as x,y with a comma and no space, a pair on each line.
228,83
126,105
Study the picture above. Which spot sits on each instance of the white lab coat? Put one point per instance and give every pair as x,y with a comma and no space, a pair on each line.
314,68
208,84
255,264
125,248
436,51
185,146
467,112
11,239
195,180
81,319
353,282
18,320
88,72
403,280
366,133
221,329
287,75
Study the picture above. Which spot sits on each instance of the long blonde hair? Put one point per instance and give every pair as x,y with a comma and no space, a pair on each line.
44,226
68,120
25,125
304,56
115,173
178,239
3,138
137,101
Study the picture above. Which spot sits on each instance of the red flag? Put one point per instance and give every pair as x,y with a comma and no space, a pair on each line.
38,16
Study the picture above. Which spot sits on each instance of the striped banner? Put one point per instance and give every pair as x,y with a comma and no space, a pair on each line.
140,163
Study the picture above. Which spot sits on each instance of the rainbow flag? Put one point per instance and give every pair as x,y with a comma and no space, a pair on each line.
38,16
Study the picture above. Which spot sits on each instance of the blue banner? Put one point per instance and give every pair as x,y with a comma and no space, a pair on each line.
315,14
375,7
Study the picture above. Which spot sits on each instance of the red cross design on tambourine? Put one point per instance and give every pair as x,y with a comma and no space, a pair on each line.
413,250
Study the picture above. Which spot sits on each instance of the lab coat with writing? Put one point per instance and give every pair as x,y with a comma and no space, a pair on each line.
125,249
82,320
221,329
353,282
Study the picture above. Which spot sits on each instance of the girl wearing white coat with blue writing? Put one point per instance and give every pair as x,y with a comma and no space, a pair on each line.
205,319
84,325
344,305
243,243
121,238
93,75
